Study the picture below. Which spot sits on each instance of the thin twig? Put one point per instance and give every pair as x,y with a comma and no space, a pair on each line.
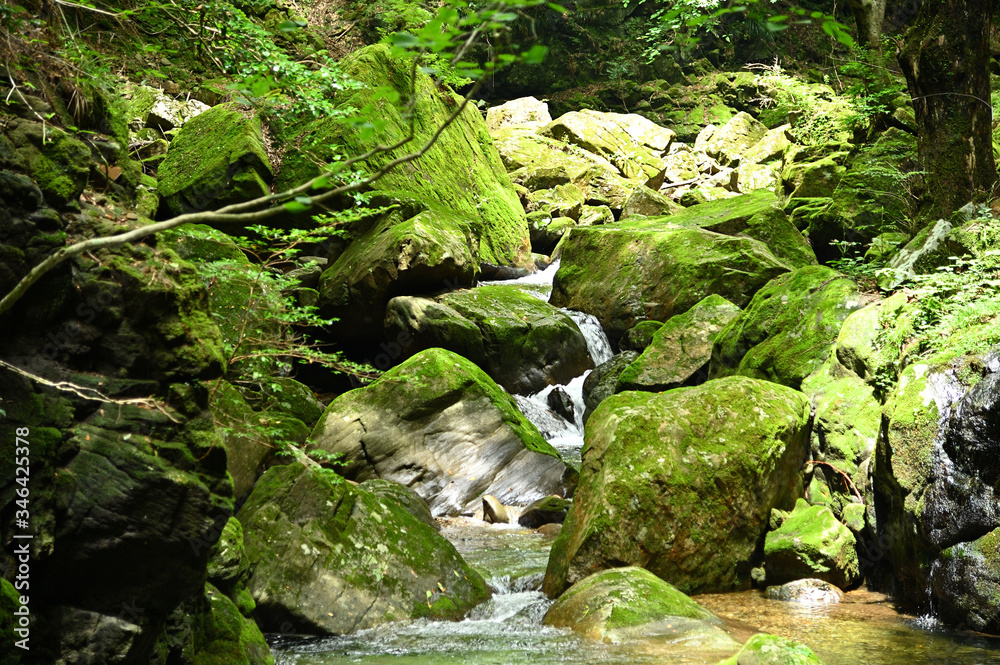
89,393
66,3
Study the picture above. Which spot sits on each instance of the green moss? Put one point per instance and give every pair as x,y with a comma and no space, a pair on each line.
766,649
811,543
57,162
461,173
682,483
223,636
9,603
201,244
788,329
218,158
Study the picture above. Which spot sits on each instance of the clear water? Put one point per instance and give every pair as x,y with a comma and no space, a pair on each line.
507,630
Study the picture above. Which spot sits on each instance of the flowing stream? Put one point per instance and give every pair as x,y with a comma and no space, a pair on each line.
508,629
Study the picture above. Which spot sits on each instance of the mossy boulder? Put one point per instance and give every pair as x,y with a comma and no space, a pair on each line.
423,254
518,113
764,649
547,231
461,175
631,142
200,243
645,202
928,251
542,162
682,483
812,544
547,510
937,474
846,421
639,336
560,201
680,349
727,144
440,425
787,331
249,437
57,162
522,342
331,557
228,567
600,384
755,215
968,583
614,605
217,158
403,496
623,274
222,635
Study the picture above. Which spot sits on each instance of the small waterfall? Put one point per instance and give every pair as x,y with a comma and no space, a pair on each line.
565,434
597,342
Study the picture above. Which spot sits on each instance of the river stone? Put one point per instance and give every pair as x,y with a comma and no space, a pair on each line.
600,384
764,649
439,425
644,202
622,274
680,348
547,510
811,543
217,158
332,558
523,112
494,512
639,336
423,254
614,605
682,483
788,330
807,591
461,175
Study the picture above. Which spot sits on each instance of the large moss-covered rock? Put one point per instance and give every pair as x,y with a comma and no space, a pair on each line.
439,424
461,174
542,162
788,329
217,158
680,349
600,384
928,251
613,605
630,142
424,254
682,483
728,143
526,111
811,543
624,274
763,649
522,342
334,558
967,583
644,202
56,161
937,476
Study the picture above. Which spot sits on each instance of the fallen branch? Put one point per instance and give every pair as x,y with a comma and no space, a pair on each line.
90,394
847,478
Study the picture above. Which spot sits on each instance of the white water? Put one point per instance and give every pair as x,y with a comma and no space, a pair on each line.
565,435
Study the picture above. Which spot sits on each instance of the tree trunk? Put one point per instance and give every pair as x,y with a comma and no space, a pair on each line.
869,15
946,59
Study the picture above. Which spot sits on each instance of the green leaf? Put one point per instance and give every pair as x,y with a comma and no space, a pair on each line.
299,204
535,55
291,26
557,8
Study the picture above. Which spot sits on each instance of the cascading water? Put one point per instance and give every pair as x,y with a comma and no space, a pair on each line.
563,428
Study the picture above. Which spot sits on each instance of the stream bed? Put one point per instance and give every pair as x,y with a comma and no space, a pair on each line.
508,630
